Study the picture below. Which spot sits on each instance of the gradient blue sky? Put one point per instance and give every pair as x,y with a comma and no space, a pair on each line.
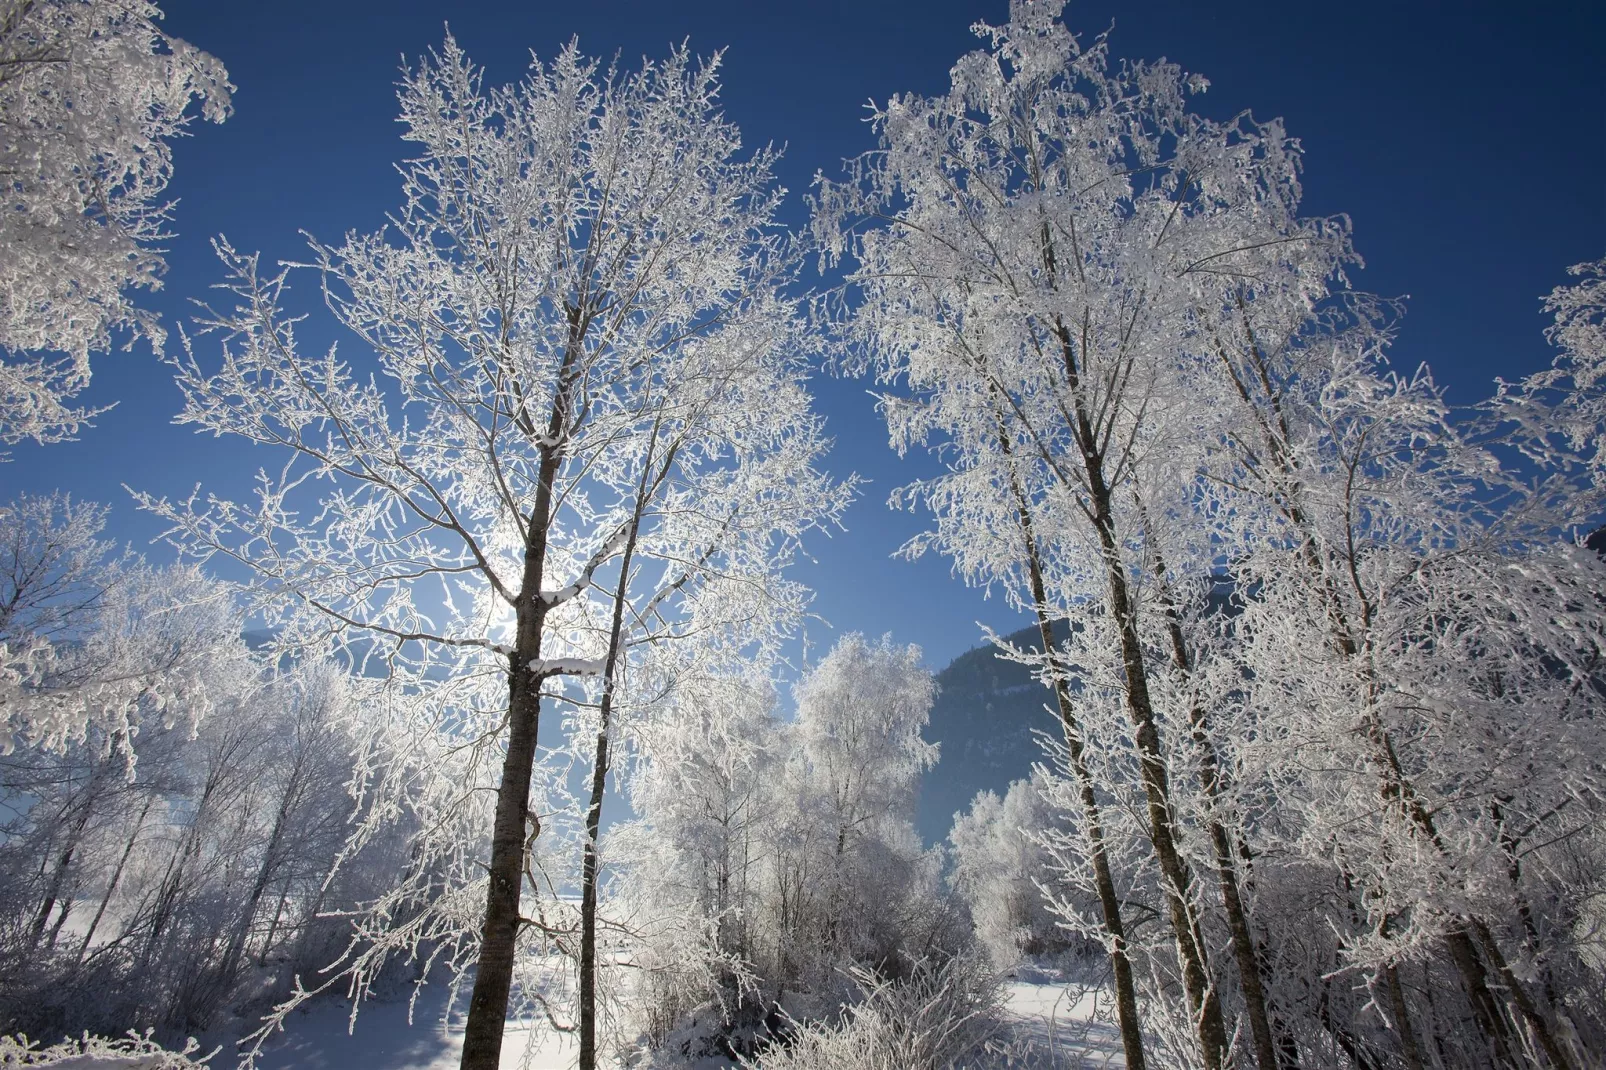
1464,139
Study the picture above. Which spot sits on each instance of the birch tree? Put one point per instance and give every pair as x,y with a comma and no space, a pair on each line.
91,95
1046,230
582,295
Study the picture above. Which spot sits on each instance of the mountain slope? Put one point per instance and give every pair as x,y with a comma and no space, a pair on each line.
984,718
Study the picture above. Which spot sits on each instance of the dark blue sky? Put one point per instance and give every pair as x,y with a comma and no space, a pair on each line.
1464,139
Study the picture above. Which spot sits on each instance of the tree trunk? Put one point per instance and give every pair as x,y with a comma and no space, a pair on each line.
273,923
493,975
1485,1008
1126,999
1402,1018
588,905
1204,1002
599,781
1537,1022
59,877
493,978
166,902
248,913
1341,1036
1244,946
61,918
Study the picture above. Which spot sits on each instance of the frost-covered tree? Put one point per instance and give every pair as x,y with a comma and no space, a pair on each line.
849,871
1041,239
581,339
91,94
1422,640
1141,364
773,857
1000,868
694,865
860,712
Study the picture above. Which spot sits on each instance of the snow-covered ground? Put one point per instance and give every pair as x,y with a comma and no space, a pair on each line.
1068,1027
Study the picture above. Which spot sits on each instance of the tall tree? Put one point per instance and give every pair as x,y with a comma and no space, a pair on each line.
584,271
1047,229
1446,636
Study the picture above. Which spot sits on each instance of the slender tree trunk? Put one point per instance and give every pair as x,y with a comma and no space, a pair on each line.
58,878
1485,1008
1126,999
273,923
1204,1002
1203,999
1341,1036
493,976
167,893
1402,1017
1509,845
1400,795
599,781
588,904
166,900
61,917
270,859
1244,946
1537,1022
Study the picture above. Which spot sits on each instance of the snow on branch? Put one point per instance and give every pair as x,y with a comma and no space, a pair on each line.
133,1052
583,581
568,666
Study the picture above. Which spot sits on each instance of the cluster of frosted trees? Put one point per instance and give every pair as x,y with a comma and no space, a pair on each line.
171,802
1327,785
771,856
1331,745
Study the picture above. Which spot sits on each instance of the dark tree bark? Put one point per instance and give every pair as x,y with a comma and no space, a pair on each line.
1204,1002
1126,999
1402,1018
58,877
599,781
493,976
1244,946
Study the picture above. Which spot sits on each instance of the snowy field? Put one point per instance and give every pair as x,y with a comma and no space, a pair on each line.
1067,1028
